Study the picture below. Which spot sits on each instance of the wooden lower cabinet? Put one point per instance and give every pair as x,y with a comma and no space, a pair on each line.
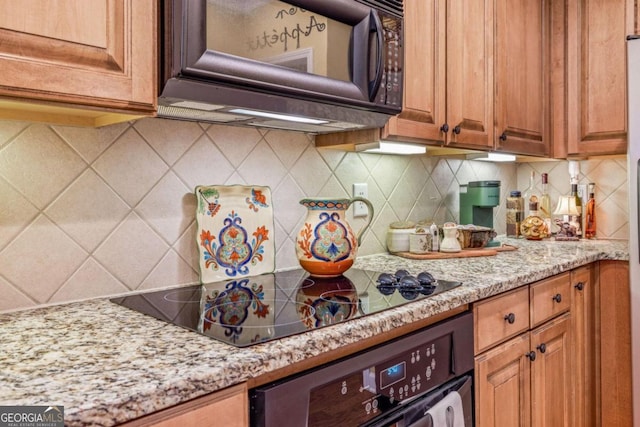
503,384
225,408
552,373
526,381
614,351
584,316
580,343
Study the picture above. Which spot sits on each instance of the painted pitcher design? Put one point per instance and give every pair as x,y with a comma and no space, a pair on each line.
326,245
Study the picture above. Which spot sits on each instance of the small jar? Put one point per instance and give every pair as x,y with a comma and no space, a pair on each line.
398,236
515,213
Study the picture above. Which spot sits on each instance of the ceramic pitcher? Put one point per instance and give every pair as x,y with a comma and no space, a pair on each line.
450,242
326,245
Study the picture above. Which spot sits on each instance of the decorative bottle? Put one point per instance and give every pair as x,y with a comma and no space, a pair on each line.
590,214
515,213
576,220
530,192
545,203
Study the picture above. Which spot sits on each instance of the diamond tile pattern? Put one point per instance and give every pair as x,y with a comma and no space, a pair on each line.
100,212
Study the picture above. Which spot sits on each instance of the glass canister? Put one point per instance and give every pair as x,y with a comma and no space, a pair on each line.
515,213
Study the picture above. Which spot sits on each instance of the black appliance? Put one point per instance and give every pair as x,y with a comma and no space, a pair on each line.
251,310
307,65
423,379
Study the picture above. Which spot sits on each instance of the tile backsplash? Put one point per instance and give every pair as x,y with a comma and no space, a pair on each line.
101,212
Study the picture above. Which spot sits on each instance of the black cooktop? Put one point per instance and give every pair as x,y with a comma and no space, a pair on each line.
250,310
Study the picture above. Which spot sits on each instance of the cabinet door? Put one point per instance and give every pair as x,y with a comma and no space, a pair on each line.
520,76
423,111
89,53
551,374
596,75
502,379
586,389
470,73
225,408
615,344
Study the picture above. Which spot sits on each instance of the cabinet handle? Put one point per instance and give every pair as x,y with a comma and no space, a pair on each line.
511,318
503,137
557,298
456,130
579,286
444,128
542,348
531,355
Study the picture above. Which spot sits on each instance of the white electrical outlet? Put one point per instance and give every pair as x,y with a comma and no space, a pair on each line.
359,208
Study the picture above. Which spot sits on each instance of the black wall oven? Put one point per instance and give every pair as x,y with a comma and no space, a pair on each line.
318,66
423,379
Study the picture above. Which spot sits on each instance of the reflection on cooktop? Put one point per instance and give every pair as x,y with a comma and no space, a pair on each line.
255,309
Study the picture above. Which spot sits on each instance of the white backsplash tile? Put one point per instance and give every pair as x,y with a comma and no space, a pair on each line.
41,259
131,251
170,139
203,164
39,164
131,167
165,204
88,210
100,212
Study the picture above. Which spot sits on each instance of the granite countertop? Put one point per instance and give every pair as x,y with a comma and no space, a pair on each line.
107,364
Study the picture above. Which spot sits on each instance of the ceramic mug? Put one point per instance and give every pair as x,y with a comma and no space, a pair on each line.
419,243
450,242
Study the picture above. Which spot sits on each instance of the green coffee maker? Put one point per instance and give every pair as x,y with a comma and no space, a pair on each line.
477,200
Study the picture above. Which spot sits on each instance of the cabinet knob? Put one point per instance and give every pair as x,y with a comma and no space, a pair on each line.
557,298
531,355
444,128
579,286
542,348
456,130
503,137
511,318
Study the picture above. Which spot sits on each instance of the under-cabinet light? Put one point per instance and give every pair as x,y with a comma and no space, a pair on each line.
297,119
384,147
492,157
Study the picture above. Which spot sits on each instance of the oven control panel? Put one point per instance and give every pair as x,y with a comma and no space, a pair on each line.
371,385
384,386
412,374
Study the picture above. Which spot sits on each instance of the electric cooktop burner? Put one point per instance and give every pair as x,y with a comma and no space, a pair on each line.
251,310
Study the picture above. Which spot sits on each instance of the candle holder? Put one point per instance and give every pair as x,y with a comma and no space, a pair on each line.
568,224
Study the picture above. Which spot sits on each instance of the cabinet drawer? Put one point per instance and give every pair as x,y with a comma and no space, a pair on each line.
549,298
500,318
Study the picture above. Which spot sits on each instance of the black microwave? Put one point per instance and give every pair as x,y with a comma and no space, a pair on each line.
311,65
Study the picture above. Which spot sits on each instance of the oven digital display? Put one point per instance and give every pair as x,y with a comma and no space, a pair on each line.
392,375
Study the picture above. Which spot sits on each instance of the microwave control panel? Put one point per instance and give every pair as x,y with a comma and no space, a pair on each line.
390,91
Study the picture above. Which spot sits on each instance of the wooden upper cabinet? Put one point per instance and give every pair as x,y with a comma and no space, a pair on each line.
596,76
470,73
423,110
520,76
84,62
448,90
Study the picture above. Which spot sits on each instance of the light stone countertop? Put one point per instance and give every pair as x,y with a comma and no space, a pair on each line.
107,364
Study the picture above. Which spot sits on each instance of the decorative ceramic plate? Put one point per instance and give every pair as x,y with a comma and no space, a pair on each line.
235,231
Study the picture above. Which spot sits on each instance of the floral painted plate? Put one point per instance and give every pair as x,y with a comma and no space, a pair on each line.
235,231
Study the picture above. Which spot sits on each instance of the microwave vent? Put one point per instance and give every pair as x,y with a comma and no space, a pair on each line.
393,7
197,114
